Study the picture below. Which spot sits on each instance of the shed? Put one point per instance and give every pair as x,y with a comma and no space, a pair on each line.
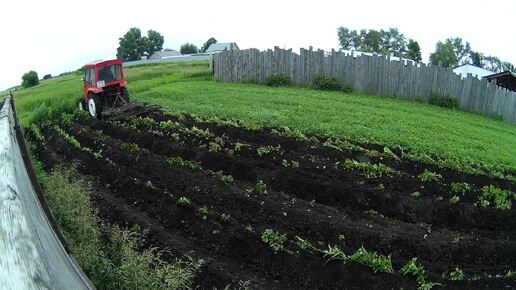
476,71
219,47
506,79
164,54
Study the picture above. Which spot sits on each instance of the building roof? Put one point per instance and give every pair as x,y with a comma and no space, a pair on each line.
476,71
220,46
506,79
165,53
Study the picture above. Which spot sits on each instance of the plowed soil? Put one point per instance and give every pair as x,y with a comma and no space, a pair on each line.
297,187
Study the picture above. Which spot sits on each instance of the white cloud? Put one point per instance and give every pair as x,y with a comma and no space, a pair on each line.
56,36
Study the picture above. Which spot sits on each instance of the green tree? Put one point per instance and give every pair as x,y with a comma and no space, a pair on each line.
345,38
133,46
30,79
154,41
207,44
413,51
451,53
188,48
476,58
47,76
389,41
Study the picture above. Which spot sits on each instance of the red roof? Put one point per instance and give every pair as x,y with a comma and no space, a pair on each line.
105,62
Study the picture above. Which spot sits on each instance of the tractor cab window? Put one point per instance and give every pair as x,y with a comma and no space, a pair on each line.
89,76
110,73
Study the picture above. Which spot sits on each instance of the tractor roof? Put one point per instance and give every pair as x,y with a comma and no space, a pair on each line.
104,63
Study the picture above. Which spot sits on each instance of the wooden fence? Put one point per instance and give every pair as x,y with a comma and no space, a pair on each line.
376,75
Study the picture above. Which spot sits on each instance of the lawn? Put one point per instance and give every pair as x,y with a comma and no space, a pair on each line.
454,139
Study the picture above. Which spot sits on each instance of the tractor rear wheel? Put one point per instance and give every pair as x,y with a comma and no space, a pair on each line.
94,105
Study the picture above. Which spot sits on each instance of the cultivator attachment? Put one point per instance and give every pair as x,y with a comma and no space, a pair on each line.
129,110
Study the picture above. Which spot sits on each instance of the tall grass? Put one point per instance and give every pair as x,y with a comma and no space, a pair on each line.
109,255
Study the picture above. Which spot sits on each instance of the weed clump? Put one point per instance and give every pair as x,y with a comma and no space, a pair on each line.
444,101
278,80
274,239
326,83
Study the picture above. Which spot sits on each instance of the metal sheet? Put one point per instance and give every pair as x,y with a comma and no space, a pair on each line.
32,255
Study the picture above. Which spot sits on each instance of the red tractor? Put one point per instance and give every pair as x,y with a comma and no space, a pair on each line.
104,87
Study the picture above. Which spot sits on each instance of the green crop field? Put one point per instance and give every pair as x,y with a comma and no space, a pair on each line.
452,139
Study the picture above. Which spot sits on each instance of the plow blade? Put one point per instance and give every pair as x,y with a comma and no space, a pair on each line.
129,110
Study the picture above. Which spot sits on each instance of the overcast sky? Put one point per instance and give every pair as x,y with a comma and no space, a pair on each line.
57,36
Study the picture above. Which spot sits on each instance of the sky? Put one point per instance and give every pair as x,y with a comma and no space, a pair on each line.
53,36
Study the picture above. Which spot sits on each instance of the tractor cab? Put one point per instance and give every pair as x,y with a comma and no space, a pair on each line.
104,86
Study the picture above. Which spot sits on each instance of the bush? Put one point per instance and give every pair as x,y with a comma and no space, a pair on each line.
444,101
188,48
280,80
48,76
347,88
30,79
326,83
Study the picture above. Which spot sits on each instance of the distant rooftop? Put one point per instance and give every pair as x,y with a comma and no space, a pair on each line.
220,46
476,71
165,54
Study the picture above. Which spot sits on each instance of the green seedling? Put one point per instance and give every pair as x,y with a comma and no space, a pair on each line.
183,201
429,176
456,275
375,261
454,199
368,169
274,239
304,244
500,198
334,253
203,210
460,187
225,217
259,188
415,194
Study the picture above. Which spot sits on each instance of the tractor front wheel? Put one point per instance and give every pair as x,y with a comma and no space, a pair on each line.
94,105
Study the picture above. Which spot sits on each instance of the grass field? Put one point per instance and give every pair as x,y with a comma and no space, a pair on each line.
453,139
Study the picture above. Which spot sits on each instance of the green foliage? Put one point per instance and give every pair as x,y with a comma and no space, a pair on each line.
415,194
456,275
111,257
225,217
389,41
417,270
274,239
132,46
304,244
47,76
279,80
183,201
259,188
203,210
133,147
334,253
444,101
188,48
375,261
454,199
451,53
226,179
30,79
460,187
326,83
368,169
413,51
500,198
429,176
183,162
207,44
265,150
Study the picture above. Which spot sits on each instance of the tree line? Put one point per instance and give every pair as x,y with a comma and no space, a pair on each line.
133,46
451,53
